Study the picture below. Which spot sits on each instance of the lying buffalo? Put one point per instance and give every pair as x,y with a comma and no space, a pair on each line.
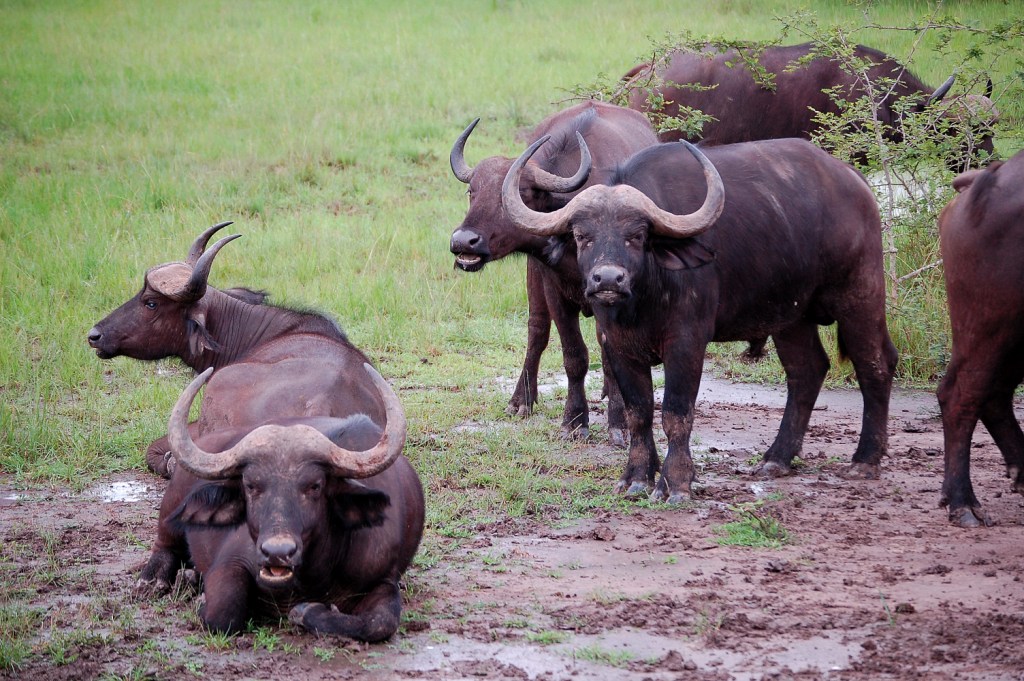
982,237
787,238
553,286
303,361
317,517
720,85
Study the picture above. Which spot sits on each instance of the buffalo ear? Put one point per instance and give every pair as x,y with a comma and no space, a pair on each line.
681,254
555,249
356,506
211,505
199,338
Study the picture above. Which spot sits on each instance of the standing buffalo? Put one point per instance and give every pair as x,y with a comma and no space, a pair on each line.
787,238
553,286
316,517
745,110
982,238
303,362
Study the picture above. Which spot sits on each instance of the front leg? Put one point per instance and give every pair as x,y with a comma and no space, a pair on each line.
617,429
634,380
575,358
538,332
683,368
374,619
227,589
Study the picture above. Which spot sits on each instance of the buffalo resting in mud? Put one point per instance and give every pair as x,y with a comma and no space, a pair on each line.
303,360
553,286
738,243
981,232
317,517
720,85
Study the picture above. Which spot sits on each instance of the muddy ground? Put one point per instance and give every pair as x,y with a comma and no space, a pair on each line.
873,582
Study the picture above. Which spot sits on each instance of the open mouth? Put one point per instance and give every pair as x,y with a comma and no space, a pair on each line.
469,262
276,573
607,297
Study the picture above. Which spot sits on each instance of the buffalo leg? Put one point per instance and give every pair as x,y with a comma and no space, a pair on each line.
376,618
806,363
227,587
538,331
566,315
634,380
682,381
617,429
874,358
1001,422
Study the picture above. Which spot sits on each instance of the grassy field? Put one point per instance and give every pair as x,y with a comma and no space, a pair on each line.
323,130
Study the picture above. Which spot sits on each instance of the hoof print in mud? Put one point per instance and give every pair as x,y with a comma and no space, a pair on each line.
862,471
771,469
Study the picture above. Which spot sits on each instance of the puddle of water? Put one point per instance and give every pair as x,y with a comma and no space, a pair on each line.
121,491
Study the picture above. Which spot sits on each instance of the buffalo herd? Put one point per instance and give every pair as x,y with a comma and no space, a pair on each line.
289,494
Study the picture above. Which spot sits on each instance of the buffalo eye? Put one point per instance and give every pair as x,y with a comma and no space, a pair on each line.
150,304
313,488
252,489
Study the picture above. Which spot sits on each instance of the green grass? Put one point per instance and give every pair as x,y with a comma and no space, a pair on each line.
754,527
323,130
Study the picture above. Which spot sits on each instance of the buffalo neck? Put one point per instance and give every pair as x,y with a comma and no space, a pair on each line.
238,328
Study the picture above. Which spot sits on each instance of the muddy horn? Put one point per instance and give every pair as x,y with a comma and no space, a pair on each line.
269,439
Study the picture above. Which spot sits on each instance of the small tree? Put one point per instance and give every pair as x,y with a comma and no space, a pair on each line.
909,164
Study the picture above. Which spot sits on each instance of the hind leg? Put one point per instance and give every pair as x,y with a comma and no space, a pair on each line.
1001,422
806,364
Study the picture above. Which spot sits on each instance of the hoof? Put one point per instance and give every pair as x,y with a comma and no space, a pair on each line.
575,434
617,438
969,517
674,499
633,489
772,469
862,471
151,587
518,410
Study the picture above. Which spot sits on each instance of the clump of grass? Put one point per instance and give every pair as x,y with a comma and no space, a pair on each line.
755,526
598,655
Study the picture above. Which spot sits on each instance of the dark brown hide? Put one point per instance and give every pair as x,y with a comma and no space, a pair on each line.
553,286
982,239
286,535
268,360
745,110
798,244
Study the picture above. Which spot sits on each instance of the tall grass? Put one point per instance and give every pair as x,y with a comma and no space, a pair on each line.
322,129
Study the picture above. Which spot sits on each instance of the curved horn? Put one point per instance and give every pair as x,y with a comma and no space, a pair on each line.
190,457
351,464
196,286
544,224
682,226
550,182
941,91
199,245
988,88
457,159
268,439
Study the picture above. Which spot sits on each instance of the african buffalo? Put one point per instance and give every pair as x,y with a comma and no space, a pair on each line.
303,362
745,110
553,287
787,238
317,517
981,233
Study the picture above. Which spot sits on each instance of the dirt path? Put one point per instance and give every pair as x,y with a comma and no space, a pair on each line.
873,583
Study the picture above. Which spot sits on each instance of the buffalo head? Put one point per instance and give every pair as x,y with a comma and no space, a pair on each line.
486,233
166,317
613,226
290,481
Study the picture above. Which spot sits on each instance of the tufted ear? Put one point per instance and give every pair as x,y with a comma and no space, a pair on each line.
199,338
219,504
681,254
356,506
555,249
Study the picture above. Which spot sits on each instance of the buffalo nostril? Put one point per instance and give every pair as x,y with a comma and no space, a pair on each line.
618,279
94,335
278,547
